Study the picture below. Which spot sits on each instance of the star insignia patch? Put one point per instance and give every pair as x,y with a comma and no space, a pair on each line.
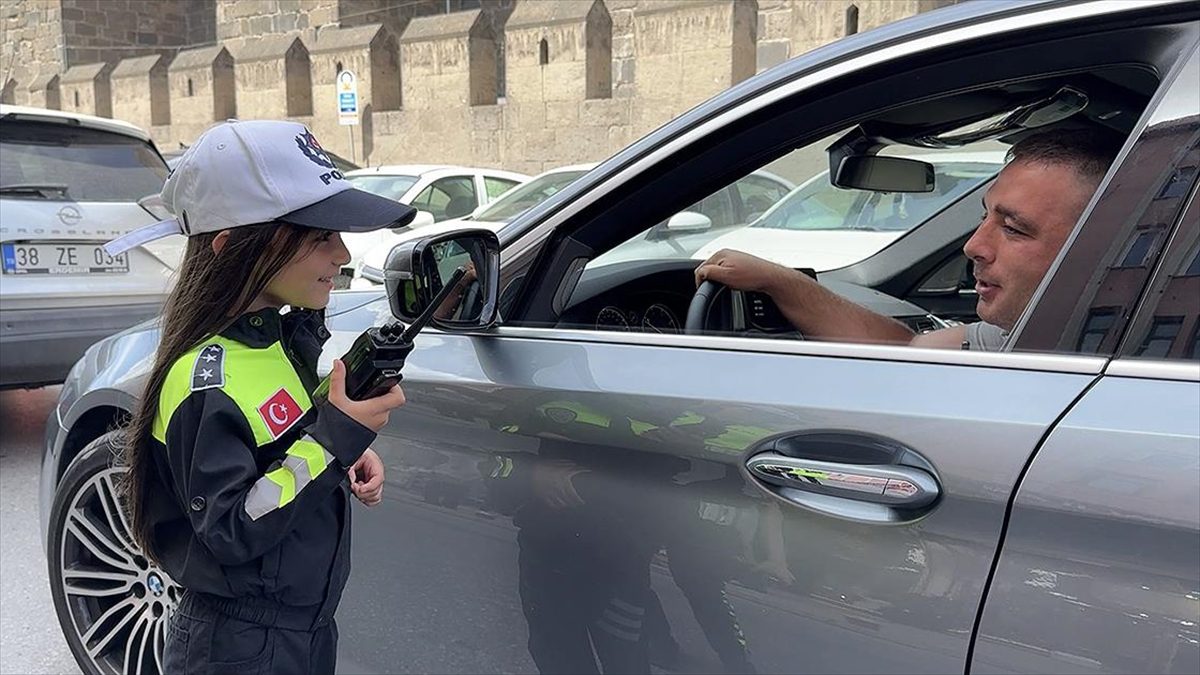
209,370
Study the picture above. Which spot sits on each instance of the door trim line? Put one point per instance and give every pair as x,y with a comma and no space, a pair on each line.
1153,369
1059,363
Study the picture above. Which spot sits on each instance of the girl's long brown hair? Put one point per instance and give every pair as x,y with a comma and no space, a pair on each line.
211,291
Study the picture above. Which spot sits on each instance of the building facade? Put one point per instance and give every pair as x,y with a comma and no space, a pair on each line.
520,84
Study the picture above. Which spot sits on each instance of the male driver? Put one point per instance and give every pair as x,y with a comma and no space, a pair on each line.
1028,213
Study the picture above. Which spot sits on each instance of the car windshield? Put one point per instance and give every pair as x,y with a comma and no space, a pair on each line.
819,205
524,197
788,211
50,161
390,186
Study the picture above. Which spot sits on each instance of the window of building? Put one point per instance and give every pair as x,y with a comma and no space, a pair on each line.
191,90
851,19
543,52
1099,321
1160,337
1179,182
1141,248
1193,268
76,99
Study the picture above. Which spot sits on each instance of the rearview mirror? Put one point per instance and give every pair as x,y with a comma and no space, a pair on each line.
884,174
422,219
416,271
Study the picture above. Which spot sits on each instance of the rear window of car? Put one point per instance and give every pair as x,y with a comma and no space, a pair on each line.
392,187
49,161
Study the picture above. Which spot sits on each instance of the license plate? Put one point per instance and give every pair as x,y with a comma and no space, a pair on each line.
54,258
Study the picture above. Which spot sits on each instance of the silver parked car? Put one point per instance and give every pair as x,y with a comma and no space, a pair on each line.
600,472
68,183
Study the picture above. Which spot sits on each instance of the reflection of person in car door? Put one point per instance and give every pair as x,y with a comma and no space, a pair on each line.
585,545
1028,213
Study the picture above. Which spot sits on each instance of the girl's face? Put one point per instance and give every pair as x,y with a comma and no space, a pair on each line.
307,278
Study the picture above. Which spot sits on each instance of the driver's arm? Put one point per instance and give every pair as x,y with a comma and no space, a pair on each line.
943,338
814,310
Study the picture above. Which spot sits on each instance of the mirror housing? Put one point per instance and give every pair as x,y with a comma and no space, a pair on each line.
422,219
682,222
416,269
689,221
884,174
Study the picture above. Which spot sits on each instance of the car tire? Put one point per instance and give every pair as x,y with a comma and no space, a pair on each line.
112,602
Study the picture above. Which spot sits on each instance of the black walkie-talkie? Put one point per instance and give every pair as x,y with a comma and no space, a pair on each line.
373,363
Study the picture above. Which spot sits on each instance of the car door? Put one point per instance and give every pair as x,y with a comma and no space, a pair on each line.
1100,567
574,501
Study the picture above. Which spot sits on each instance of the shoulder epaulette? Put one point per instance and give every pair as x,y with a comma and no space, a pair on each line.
209,370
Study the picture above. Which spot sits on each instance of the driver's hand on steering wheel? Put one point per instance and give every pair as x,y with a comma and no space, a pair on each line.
743,272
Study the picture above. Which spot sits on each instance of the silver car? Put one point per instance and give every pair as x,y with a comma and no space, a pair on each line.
603,471
68,183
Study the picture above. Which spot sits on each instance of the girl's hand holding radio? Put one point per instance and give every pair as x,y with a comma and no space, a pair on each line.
371,413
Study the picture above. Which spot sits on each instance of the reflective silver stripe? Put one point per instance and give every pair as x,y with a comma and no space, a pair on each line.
263,498
617,632
619,620
625,606
305,460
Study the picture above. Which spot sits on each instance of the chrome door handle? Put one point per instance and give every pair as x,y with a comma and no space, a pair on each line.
893,485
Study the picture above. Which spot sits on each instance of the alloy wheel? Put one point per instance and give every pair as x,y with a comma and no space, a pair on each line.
118,600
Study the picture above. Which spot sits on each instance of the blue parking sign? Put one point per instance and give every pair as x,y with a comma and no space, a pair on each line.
347,97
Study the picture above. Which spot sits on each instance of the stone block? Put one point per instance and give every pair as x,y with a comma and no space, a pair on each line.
622,47
564,82
772,53
605,113
562,114
774,25
260,25
627,72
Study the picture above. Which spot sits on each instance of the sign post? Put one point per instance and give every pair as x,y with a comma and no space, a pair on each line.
347,102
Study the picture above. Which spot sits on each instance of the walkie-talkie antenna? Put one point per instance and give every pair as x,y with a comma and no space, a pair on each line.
419,323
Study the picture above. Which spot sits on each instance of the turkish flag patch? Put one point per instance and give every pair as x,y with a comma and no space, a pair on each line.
280,412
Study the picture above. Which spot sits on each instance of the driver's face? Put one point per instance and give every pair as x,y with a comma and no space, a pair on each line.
1028,213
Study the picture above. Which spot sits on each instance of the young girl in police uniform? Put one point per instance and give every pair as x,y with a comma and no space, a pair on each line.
239,480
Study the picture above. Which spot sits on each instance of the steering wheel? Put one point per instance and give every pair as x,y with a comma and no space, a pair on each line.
702,304
717,308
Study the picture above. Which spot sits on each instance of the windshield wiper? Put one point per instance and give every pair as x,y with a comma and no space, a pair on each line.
43,190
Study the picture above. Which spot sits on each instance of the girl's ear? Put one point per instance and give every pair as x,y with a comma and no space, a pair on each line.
218,241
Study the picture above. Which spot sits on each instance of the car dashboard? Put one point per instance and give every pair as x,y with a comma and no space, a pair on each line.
652,296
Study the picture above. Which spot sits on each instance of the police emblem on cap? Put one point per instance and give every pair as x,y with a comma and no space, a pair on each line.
209,369
312,149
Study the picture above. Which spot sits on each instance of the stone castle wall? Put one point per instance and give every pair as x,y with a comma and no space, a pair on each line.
520,84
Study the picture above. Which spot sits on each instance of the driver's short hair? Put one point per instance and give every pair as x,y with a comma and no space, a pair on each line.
1088,151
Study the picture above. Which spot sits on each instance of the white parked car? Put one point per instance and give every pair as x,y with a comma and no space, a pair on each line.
732,207
441,192
492,216
824,227
68,184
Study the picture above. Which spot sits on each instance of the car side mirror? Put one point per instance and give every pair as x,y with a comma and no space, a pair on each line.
884,174
689,221
422,219
416,271
682,222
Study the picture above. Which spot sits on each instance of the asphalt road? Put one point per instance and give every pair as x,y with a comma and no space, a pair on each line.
30,639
